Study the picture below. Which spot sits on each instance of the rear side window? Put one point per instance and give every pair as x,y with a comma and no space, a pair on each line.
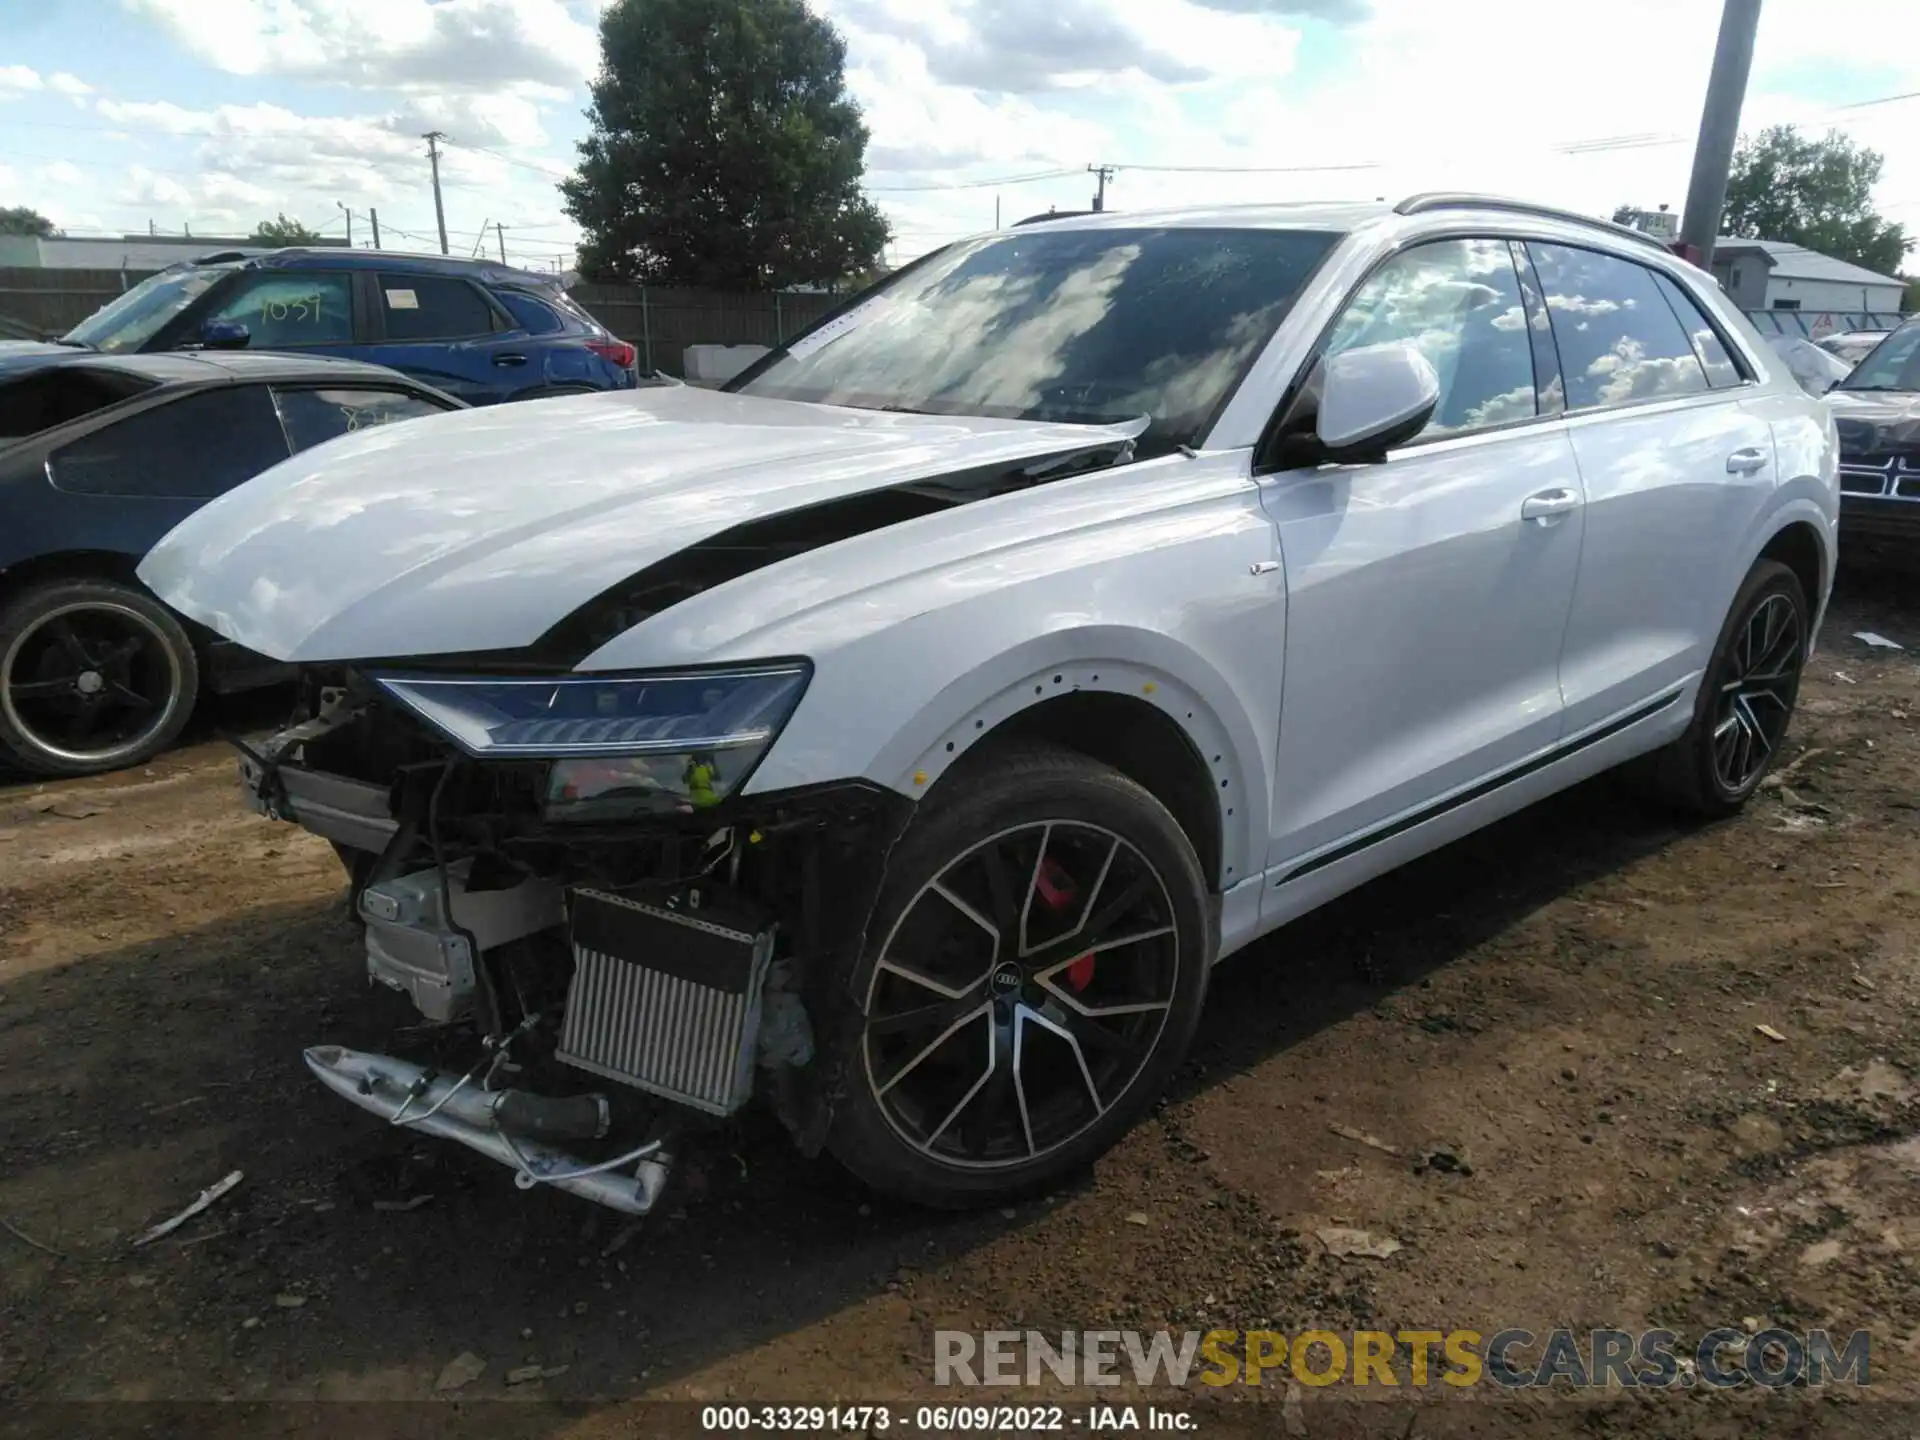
532,315
198,446
54,396
1708,348
1619,341
313,416
283,309
433,307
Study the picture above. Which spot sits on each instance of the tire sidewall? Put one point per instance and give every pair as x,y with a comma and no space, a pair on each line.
32,604
1063,788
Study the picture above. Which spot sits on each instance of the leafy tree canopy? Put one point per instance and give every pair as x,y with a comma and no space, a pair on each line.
1817,193
281,231
725,150
21,220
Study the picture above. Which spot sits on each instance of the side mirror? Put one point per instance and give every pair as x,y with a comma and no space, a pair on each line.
225,335
1372,399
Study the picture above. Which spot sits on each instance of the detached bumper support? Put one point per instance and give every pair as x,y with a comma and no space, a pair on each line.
420,1100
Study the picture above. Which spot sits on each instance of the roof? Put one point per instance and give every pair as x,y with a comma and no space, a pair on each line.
176,367
1301,215
300,257
1787,261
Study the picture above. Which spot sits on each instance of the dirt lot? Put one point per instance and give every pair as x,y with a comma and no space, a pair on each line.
1569,1003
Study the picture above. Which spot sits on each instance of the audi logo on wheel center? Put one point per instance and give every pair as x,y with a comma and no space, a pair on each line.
1006,979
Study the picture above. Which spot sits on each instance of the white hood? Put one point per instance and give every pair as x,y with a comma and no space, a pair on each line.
480,529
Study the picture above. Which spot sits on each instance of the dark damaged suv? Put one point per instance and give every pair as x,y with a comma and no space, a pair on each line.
1877,412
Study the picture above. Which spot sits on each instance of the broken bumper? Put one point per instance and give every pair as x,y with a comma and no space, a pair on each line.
404,1094
353,813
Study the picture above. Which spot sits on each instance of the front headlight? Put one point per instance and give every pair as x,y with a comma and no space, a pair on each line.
688,739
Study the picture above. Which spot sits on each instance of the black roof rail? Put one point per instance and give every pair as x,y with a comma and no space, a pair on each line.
1431,200
1051,215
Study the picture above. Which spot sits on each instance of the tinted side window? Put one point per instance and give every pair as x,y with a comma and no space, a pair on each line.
1619,340
312,416
1459,302
536,317
200,445
431,307
296,307
1708,348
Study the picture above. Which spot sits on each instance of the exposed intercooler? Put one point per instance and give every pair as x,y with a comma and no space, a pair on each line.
666,1000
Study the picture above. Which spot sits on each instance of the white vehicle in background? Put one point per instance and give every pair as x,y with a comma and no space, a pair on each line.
1852,346
902,733
1818,370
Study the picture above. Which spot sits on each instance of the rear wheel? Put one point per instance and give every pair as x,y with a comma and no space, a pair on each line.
1036,966
1746,698
94,675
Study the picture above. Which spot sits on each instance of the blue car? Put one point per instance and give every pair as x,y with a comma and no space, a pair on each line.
101,455
481,331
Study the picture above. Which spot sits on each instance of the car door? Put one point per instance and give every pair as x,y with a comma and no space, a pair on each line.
298,310
1671,462
444,330
1427,595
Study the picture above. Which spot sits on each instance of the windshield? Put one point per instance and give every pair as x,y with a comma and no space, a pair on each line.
136,317
1893,365
1069,324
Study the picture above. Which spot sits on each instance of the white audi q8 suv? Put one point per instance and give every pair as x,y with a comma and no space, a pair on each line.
900,734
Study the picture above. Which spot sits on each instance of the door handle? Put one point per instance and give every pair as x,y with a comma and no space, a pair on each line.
1550,504
1747,461
509,359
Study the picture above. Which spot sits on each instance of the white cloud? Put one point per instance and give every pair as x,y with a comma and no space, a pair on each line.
71,86
18,80
537,46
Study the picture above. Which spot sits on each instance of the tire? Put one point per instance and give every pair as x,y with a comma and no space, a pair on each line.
95,675
1055,1086
1693,774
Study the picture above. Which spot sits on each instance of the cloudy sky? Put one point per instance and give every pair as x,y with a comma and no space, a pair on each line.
215,113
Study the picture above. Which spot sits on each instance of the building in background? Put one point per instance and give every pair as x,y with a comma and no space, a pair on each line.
123,252
1774,275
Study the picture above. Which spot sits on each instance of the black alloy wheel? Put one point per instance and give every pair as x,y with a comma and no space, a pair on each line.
94,675
1037,963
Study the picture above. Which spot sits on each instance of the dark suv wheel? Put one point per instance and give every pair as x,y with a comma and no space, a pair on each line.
1036,965
94,675
1746,698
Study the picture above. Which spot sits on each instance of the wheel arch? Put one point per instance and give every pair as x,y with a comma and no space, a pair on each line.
69,565
1797,546
1148,706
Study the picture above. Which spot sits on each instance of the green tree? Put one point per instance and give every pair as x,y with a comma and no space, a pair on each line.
1817,193
21,220
725,150
281,231
1910,298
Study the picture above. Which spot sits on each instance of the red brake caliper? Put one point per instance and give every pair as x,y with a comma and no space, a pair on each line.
1058,892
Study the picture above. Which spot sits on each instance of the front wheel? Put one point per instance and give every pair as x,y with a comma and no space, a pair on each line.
1746,698
94,675
1035,968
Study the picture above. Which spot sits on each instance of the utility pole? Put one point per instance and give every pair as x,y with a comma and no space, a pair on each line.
500,234
1105,173
374,216
349,214
1719,130
433,139
996,212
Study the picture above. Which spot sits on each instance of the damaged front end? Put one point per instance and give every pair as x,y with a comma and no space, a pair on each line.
564,867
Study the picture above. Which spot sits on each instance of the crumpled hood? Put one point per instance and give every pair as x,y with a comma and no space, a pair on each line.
480,529
1876,423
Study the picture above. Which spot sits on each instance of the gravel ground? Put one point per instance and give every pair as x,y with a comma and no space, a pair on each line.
1567,1007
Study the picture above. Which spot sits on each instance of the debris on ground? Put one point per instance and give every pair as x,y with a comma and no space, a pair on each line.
401,1207
287,1300
19,1234
67,809
1771,1034
1137,1217
1876,640
527,1374
461,1371
1347,1132
1444,1160
1342,1240
207,1197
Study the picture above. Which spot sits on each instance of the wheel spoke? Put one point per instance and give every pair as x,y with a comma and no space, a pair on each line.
993,1046
81,725
923,1017
1115,910
933,1045
41,689
925,982
1024,1015
63,634
1033,888
940,889
1007,911
128,697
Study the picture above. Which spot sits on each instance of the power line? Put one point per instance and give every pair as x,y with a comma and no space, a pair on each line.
1060,174
1247,169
